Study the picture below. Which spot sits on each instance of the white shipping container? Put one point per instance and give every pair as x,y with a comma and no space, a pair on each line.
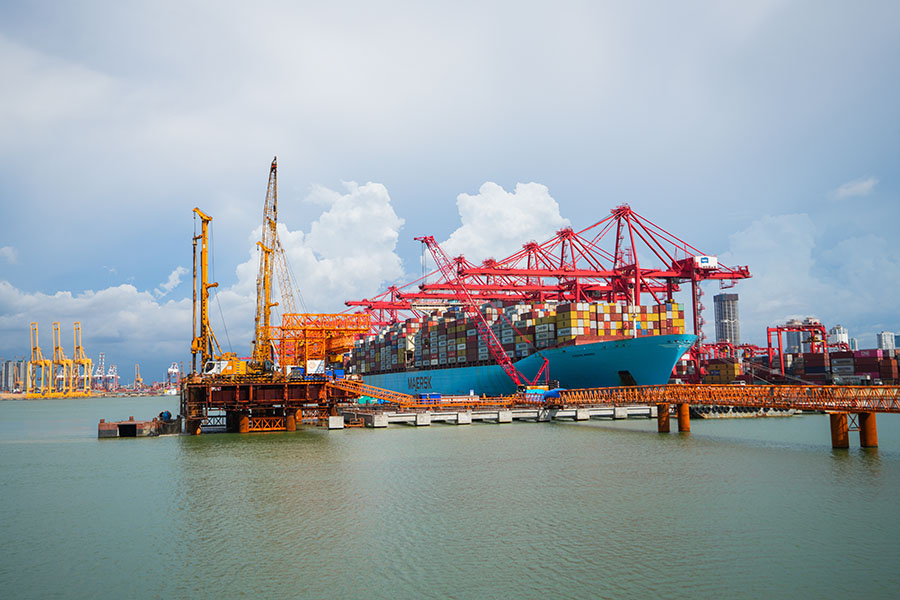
706,262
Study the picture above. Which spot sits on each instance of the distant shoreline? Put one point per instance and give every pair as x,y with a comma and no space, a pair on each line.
11,396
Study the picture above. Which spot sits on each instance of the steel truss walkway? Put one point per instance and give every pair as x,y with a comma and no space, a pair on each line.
875,399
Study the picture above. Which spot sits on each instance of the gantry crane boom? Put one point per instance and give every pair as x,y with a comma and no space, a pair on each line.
474,312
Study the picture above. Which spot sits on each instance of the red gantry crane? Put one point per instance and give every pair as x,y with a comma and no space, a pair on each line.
620,258
473,311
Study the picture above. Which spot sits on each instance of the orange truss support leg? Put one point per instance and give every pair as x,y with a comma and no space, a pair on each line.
684,418
290,421
868,430
662,418
243,423
840,433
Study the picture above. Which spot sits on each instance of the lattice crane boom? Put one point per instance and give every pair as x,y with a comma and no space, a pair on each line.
271,258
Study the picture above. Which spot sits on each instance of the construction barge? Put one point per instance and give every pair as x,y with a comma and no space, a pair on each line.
161,425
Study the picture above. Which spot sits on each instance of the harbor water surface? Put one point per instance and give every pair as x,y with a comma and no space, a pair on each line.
747,508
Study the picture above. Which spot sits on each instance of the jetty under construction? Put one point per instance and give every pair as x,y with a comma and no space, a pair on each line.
567,295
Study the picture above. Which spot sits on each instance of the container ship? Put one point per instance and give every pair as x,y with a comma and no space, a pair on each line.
598,344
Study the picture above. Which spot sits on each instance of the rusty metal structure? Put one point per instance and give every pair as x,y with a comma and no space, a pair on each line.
306,336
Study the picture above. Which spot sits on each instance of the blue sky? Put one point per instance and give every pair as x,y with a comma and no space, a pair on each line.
763,132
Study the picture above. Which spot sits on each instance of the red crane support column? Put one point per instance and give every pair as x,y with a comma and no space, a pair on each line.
840,434
868,430
684,418
662,418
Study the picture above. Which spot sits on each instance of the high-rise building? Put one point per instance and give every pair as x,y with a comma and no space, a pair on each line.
854,344
886,340
12,371
728,328
838,334
792,339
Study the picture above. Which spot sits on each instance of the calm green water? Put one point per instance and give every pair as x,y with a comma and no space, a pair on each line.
737,509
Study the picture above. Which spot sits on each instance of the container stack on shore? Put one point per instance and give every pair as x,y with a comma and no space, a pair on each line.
858,366
813,367
450,338
722,371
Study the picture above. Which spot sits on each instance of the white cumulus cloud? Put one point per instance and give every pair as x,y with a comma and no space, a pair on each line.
130,326
495,223
348,252
9,253
171,283
798,271
855,188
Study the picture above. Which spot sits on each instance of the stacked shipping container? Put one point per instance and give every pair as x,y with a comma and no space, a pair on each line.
451,339
722,371
848,366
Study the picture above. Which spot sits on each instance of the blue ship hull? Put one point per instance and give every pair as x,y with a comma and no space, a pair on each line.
648,360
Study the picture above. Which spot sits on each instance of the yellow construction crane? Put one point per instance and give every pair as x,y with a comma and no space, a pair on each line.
138,382
83,365
34,388
63,367
205,344
271,253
